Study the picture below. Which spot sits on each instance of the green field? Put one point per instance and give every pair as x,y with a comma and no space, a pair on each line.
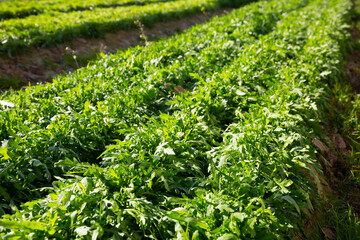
60,21
24,8
205,135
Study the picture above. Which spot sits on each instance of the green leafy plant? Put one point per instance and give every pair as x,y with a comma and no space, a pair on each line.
54,27
20,9
207,135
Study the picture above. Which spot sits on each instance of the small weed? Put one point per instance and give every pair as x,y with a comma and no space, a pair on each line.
344,221
73,59
142,35
70,57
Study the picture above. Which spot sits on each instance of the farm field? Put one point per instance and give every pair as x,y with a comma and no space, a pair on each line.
215,133
21,8
36,45
55,26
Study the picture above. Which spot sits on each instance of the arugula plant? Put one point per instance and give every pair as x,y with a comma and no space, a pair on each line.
51,124
203,136
52,27
20,9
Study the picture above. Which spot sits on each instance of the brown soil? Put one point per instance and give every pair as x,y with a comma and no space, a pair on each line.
353,61
334,183
335,153
42,65
347,189
336,160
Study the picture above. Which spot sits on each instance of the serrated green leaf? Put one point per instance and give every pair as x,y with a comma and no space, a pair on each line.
228,236
30,225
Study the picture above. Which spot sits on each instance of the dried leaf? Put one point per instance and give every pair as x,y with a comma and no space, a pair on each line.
328,233
320,145
179,89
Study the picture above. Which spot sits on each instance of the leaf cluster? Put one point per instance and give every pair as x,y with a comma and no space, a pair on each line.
206,135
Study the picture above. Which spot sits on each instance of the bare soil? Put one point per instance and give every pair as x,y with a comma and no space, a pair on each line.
335,157
41,65
350,190
353,62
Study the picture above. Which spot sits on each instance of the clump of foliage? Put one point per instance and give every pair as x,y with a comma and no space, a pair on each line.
52,27
206,135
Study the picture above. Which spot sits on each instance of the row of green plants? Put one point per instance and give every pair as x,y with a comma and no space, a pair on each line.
56,27
213,133
20,8
41,115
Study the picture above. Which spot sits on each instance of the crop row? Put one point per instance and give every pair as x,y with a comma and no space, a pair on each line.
56,27
20,8
54,122
213,132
